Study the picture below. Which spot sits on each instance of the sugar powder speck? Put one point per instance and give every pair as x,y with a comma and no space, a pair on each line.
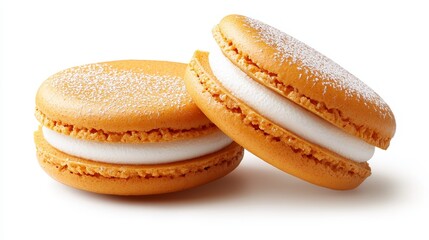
118,90
322,69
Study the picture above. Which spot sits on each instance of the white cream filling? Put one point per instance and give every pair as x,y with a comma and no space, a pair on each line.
137,153
286,113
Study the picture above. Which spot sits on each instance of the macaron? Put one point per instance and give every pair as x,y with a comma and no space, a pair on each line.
289,104
128,128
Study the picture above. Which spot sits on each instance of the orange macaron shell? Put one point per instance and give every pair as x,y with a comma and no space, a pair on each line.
118,179
258,50
63,102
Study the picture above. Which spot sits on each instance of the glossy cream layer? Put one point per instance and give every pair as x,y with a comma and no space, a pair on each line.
286,113
134,153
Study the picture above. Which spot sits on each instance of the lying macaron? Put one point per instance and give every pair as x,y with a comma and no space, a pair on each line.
128,128
288,104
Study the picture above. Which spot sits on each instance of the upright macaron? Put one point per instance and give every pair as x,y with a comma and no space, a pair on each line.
289,104
128,128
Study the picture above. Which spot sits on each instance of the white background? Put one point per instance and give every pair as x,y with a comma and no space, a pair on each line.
385,43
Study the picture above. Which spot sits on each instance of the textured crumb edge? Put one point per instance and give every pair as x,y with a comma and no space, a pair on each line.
155,135
323,158
77,166
335,116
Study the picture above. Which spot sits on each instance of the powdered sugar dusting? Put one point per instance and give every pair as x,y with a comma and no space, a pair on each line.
319,67
113,89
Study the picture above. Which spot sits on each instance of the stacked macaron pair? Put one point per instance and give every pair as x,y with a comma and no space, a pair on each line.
132,128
